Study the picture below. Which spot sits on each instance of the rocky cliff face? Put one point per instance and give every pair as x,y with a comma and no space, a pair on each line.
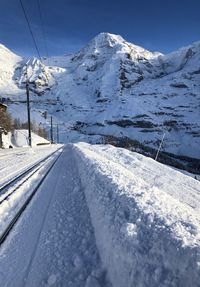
114,88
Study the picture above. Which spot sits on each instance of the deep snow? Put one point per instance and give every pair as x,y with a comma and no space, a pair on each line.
53,244
19,138
145,216
103,215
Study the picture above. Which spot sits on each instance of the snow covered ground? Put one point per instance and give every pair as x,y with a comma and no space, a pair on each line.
145,216
14,161
19,138
105,217
54,242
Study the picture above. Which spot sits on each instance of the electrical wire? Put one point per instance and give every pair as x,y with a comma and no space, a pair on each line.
43,29
31,32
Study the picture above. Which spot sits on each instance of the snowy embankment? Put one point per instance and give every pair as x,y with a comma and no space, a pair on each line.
19,138
145,216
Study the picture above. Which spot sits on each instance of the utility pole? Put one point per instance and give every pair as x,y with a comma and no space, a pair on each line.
51,130
28,110
160,146
57,134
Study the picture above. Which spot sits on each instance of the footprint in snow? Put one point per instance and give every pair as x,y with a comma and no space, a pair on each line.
51,280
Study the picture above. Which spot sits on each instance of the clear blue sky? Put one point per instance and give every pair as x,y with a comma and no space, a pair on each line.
161,25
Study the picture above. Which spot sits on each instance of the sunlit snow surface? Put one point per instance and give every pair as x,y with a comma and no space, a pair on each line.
145,216
106,216
112,87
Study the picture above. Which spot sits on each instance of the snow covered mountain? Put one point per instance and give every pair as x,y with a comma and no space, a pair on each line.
8,67
114,88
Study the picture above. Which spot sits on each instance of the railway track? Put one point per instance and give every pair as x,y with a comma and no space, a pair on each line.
10,152
29,181
24,172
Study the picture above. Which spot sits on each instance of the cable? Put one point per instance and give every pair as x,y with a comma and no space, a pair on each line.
31,32
43,30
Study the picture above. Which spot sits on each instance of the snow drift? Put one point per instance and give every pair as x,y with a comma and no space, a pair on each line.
145,216
19,138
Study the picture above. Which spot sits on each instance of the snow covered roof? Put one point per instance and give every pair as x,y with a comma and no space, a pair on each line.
3,106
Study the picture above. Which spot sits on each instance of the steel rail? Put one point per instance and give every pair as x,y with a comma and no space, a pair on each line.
24,172
30,174
9,227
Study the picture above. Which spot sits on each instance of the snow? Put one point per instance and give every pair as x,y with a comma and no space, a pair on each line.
104,216
19,138
92,92
40,77
9,207
51,280
55,238
8,63
145,216
112,80
15,161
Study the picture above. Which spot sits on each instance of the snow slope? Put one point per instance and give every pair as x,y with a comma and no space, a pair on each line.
112,87
145,216
9,63
40,77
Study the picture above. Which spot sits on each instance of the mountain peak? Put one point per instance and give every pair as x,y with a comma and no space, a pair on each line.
105,36
106,42
105,39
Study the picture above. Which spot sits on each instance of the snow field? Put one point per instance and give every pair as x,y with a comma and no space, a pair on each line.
145,216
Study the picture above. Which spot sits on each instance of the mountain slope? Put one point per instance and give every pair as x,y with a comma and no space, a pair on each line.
114,88
9,63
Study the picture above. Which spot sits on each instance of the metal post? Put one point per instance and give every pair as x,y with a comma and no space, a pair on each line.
160,146
51,130
28,112
57,134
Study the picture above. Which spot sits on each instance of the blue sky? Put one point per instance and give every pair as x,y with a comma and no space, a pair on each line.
157,25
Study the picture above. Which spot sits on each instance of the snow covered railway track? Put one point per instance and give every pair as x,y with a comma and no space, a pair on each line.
3,156
11,153
22,174
16,195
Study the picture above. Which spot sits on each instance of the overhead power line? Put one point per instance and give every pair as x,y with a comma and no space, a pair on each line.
31,32
43,29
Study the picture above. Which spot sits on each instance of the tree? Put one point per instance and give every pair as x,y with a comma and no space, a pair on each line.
42,132
16,124
5,120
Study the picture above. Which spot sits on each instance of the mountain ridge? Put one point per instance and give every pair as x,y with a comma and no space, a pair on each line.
115,88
